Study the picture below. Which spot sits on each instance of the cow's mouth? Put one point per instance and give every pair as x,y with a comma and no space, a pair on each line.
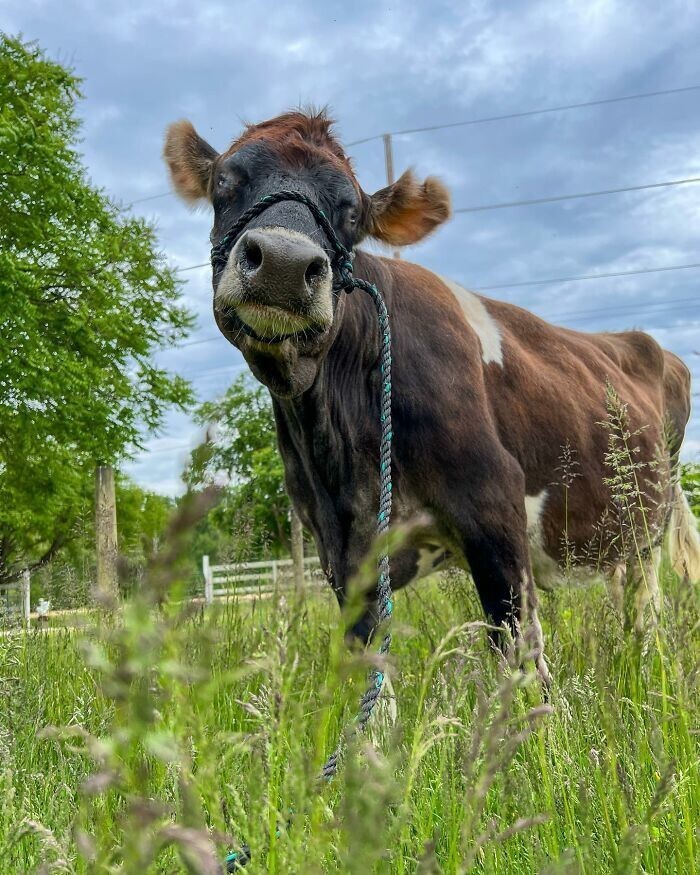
266,323
269,321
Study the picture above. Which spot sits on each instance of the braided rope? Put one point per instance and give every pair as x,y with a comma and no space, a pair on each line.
385,602
341,263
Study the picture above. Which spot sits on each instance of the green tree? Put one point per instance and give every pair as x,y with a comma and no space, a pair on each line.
690,481
142,518
255,507
85,301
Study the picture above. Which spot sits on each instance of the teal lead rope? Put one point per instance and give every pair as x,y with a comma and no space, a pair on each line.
341,263
384,596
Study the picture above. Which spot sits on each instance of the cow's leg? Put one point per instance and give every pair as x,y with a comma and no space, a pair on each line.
406,565
644,575
491,519
615,582
500,566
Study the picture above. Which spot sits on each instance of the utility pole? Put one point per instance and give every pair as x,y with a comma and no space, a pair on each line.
389,165
107,584
26,597
297,550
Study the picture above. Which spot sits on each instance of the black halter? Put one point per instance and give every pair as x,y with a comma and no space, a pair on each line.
341,257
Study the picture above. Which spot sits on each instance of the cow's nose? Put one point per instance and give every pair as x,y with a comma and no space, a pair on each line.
286,262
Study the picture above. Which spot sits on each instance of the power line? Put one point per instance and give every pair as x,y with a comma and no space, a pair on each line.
201,340
534,201
652,308
570,197
484,120
543,282
681,308
592,276
625,307
526,113
151,197
207,372
193,266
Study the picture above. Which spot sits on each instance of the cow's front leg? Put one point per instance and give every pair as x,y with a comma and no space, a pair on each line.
405,566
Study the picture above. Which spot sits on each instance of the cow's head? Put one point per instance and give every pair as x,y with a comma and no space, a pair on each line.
274,297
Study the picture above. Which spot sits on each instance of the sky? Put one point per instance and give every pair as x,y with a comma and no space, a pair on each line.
384,67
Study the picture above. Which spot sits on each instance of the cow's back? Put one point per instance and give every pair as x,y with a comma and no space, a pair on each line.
567,385
561,399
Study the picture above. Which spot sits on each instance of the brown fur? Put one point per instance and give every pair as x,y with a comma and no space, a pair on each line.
398,215
299,139
408,210
190,160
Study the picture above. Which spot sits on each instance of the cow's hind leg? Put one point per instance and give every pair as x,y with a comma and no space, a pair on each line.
615,579
644,581
497,553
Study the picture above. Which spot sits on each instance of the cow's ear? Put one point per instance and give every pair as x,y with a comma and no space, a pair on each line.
190,160
408,210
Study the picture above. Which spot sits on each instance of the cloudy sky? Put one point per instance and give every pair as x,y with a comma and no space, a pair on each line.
405,64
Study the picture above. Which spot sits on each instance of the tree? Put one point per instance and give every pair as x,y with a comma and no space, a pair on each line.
85,301
255,506
690,481
142,519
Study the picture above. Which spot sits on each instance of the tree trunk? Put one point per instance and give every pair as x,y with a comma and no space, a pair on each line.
297,550
107,583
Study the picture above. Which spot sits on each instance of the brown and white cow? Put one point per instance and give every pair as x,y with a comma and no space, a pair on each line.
498,416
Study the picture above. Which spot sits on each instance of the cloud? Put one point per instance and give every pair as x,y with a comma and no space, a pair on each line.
403,65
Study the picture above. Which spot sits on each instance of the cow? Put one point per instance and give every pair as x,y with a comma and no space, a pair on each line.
509,432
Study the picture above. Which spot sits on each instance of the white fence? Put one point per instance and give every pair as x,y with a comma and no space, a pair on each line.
256,578
24,585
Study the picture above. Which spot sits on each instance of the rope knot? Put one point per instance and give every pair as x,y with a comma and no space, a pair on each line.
343,267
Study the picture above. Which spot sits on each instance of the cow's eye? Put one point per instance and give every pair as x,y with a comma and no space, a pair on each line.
229,181
350,215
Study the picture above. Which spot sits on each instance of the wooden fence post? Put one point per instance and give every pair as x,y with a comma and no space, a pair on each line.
208,581
107,584
26,597
389,167
297,550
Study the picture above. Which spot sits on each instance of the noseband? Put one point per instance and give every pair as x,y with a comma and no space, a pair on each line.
341,257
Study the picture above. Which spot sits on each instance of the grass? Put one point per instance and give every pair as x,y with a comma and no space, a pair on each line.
156,740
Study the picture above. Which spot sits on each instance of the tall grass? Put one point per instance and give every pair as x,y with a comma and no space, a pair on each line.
155,739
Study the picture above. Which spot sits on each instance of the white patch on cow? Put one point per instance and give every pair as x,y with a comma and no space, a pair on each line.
483,323
615,583
534,508
544,569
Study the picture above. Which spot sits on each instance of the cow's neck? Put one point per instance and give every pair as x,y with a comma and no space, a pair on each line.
334,426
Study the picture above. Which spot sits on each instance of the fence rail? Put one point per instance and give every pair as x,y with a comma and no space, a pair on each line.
256,578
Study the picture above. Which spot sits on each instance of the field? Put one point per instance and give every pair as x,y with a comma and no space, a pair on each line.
159,739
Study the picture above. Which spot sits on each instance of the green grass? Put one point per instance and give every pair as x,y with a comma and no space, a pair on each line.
178,735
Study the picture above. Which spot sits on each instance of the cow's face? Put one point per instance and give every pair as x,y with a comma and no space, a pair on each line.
273,294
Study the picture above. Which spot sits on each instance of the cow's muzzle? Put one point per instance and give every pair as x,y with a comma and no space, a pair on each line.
277,282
